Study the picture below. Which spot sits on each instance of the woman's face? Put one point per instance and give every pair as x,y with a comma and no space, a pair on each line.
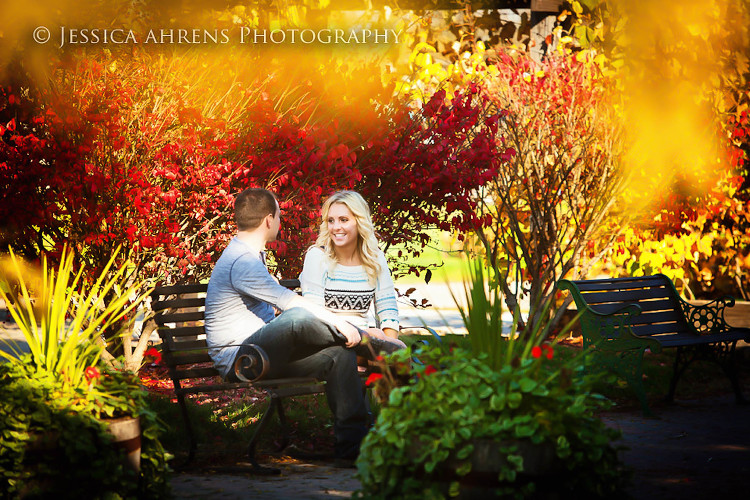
342,226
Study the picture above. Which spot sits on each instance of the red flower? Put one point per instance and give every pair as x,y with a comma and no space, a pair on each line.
550,352
429,370
92,373
536,352
373,378
152,352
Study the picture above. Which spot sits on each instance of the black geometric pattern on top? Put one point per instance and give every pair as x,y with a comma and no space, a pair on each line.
349,300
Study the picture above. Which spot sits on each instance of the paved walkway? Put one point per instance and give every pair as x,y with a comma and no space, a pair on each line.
695,450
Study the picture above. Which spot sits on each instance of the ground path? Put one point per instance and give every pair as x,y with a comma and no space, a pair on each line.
695,450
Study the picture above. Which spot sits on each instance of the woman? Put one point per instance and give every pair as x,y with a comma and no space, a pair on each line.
346,271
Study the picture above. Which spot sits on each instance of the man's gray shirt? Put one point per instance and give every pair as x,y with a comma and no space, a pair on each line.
239,301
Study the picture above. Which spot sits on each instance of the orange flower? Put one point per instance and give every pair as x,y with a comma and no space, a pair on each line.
92,373
536,352
373,378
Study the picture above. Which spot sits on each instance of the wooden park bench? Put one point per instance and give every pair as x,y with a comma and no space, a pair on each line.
179,317
622,317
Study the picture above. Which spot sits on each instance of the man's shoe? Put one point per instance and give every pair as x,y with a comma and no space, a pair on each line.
381,345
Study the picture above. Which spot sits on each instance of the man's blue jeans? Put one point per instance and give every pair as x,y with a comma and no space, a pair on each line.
300,345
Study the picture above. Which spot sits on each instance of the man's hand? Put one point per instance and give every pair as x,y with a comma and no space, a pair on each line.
350,332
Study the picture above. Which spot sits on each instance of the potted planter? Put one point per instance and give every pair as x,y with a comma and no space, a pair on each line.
62,405
126,435
501,416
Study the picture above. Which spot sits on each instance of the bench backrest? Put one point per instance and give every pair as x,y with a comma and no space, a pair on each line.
179,313
660,306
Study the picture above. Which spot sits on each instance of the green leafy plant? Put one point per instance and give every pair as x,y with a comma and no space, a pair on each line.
534,410
61,319
58,397
51,446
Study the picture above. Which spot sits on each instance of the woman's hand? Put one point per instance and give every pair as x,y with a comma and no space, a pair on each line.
349,331
390,332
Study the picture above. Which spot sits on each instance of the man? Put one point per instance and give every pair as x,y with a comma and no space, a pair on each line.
304,340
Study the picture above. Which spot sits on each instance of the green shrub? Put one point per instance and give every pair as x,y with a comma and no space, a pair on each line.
440,402
455,398
48,449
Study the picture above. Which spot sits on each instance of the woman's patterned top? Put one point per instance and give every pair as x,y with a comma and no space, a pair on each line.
346,290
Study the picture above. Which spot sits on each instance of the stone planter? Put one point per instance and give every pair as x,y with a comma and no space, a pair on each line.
540,463
126,434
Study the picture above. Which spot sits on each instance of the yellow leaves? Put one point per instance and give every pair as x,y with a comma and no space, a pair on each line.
420,54
422,59
577,7
705,245
698,30
601,60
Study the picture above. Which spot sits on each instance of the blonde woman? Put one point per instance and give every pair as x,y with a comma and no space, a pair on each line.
347,273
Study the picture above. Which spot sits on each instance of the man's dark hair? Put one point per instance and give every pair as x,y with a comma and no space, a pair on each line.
251,206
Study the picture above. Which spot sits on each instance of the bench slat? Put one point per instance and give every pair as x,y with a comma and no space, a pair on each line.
181,331
178,317
294,387
625,296
689,338
295,390
649,317
196,372
652,330
619,283
645,305
188,345
180,289
190,357
290,283
178,303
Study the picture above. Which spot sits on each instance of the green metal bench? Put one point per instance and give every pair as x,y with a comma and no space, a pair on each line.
179,316
622,317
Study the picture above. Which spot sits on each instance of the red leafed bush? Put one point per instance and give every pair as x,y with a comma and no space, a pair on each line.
130,154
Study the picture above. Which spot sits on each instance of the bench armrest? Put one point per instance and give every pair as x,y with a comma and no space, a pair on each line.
608,331
707,319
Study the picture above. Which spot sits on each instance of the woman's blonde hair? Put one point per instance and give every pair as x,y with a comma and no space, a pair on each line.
367,244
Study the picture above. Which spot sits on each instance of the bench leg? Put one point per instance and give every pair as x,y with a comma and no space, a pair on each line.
192,444
722,353
273,405
682,360
282,421
726,357
630,365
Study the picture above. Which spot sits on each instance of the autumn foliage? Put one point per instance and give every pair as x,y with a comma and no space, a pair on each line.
120,152
558,176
